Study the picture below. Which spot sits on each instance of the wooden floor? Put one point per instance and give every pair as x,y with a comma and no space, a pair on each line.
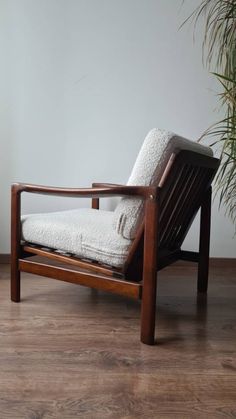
69,352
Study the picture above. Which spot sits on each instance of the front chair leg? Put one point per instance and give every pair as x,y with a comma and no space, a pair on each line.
204,244
148,306
148,312
15,244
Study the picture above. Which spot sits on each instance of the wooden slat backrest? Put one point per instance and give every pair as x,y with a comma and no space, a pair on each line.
187,177
183,189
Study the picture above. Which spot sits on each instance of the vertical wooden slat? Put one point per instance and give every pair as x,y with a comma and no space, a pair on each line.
170,190
180,202
198,191
186,205
170,194
184,202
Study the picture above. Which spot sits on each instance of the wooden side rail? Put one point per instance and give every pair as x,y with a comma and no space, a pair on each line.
101,282
27,250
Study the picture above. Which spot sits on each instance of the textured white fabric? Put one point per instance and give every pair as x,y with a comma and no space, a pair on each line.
148,169
85,232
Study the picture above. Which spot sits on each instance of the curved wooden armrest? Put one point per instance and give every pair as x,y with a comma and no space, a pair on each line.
137,191
104,184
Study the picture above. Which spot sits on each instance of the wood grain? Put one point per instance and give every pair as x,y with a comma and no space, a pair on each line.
94,267
100,282
70,352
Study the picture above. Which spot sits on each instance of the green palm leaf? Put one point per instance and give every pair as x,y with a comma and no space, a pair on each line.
219,52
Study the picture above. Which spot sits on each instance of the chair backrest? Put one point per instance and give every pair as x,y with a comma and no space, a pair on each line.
183,189
183,185
149,167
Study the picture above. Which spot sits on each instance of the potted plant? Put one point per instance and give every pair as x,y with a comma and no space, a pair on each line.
219,54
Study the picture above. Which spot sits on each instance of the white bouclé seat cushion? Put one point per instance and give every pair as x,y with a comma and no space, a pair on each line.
148,169
84,232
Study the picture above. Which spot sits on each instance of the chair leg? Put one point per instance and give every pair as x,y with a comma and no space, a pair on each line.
148,312
15,244
15,282
148,307
204,244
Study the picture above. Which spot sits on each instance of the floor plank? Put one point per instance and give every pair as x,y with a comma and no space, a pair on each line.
70,352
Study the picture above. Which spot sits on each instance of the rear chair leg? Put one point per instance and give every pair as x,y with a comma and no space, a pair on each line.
148,307
204,244
15,243
15,282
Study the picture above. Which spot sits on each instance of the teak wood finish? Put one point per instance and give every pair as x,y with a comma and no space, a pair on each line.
170,208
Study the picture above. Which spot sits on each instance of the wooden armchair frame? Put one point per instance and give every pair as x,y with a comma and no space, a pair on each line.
170,209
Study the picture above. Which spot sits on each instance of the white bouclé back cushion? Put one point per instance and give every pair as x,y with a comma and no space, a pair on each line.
148,169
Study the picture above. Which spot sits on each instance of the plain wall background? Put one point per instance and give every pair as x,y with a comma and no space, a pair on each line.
81,84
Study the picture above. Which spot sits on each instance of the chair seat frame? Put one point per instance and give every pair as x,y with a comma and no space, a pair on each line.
170,209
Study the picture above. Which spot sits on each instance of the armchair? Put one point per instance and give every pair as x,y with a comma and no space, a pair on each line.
122,251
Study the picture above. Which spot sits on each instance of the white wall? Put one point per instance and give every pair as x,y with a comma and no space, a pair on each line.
83,81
